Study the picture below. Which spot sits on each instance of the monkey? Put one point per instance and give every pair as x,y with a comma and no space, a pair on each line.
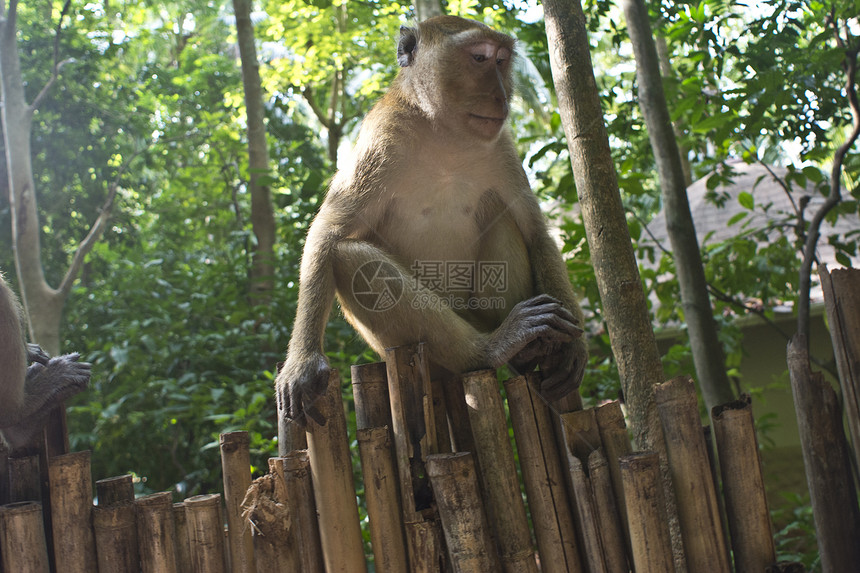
435,195
28,394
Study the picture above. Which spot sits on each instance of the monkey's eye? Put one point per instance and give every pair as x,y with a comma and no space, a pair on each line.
479,58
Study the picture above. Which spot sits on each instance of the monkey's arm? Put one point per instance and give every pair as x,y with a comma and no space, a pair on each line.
305,373
27,395
46,387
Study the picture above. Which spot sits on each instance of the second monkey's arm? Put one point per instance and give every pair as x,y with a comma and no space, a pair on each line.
305,374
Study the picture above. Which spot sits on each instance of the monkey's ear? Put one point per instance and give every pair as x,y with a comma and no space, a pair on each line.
406,46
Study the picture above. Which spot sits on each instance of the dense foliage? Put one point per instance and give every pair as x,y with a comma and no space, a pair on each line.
152,100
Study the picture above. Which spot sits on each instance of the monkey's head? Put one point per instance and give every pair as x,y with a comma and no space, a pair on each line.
458,72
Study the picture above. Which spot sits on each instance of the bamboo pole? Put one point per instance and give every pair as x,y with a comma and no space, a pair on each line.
698,511
115,525
4,477
71,513
444,437
612,534
156,533
205,533
236,471
842,301
384,508
294,488
646,513
116,537
331,473
743,487
543,477
587,519
467,532
581,434
384,504
181,542
616,442
413,431
498,471
370,391
458,413
270,523
24,480
826,460
112,490
22,538
412,421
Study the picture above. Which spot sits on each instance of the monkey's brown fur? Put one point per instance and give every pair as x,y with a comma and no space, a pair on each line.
27,395
436,179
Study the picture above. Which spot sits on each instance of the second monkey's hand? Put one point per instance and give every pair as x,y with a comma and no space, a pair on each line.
300,382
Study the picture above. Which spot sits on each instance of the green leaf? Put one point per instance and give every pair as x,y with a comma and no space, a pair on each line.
737,217
746,200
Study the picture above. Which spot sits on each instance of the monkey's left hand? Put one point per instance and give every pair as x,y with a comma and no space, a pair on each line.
298,385
562,365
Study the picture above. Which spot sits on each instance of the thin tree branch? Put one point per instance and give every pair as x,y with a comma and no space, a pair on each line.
97,229
835,196
58,65
322,116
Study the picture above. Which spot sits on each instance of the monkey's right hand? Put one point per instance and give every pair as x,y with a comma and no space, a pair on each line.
57,378
298,385
540,317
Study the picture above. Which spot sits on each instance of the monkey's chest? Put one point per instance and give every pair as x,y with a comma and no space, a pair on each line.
431,230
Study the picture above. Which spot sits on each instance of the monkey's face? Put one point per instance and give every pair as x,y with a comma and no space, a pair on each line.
459,73
485,87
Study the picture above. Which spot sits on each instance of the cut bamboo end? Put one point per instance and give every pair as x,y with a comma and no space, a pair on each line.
156,533
743,486
698,509
646,513
205,533
22,538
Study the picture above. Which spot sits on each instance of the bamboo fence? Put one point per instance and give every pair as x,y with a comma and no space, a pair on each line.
538,490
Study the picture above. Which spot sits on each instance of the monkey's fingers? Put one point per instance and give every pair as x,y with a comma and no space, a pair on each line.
36,354
311,411
557,385
554,315
551,328
543,304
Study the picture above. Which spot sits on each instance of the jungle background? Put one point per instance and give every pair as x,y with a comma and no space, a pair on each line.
144,124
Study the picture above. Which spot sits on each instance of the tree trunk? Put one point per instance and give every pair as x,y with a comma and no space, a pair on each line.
707,351
624,305
262,213
618,280
668,72
427,9
43,304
